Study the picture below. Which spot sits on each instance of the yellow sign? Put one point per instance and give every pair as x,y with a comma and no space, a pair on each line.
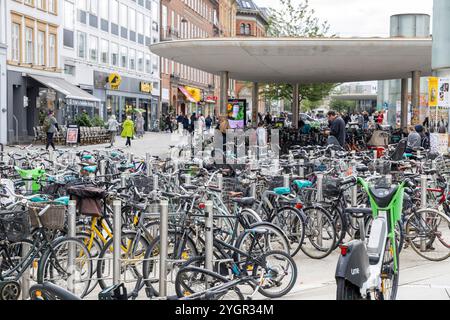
433,87
114,80
146,87
195,93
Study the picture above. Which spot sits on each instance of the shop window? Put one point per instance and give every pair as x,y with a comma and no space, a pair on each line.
242,28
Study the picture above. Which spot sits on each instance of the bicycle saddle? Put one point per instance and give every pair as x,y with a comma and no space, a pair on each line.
244,201
189,186
359,212
383,196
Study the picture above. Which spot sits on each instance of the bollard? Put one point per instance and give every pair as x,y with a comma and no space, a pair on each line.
333,154
253,190
163,230
123,180
389,180
209,236
51,155
148,168
102,169
155,182
301,169
319,195
286,181
71,228
148,157
117,222
25,285
220,181
423,205
375,155
187,178
130,157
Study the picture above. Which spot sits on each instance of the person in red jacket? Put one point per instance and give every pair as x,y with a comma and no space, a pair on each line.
380,118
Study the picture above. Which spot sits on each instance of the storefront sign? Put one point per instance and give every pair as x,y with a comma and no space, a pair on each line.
72,134
433,86
236,111
211,99
114,80
444,86
195,93
146,87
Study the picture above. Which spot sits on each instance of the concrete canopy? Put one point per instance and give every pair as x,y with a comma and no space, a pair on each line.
298,60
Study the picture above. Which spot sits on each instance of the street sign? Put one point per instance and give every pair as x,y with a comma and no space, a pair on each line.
72,134
114,80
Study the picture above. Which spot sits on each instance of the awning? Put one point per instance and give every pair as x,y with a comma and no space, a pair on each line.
187,94
67,89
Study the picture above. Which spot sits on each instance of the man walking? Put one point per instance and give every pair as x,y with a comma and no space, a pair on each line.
50,126
337,129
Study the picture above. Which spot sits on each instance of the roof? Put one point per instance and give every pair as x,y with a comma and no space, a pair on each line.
249,7
67,89
303,60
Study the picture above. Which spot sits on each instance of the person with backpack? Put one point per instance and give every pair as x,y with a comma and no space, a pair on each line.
128,131
50,127
208,123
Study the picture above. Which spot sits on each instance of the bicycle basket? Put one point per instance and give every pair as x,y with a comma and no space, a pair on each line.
331,187
14,225
52,219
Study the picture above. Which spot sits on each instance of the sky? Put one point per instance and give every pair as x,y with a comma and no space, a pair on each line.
361,18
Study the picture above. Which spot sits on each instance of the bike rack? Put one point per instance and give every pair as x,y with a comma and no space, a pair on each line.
2,148
163,229
423,204
319,199
117,223
72,213
209,236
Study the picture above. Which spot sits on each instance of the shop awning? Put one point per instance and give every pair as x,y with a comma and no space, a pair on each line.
187,94
67,89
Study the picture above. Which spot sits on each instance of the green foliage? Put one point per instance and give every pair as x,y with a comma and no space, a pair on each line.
342,105
97,122
308,105
297,20
83,120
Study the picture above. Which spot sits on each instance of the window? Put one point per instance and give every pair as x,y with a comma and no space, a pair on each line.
132,19
104,55
41,48
82,45
140,23
104,8
132,57
15,42
29,52
69,69
93,48
123,15
123,57
164,17
94,7
148,64
82,5
140,61
114,54
68,15
40,4
147,26
242,28
114,11
52,50
52,6
248,29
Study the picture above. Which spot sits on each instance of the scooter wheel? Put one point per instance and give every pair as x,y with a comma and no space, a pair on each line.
10,290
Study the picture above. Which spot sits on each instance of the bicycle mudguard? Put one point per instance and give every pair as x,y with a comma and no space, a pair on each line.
51,292
354,265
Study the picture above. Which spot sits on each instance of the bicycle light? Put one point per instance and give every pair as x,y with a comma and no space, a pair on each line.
298,206
344,250
202,205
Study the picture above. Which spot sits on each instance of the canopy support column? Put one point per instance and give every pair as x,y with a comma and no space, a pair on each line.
255,103
404,106
415,92
224,83
295,105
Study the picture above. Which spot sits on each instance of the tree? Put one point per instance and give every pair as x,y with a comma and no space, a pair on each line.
297,20
342,105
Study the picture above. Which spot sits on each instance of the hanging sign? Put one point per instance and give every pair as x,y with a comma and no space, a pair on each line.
433,88
444,98
115,80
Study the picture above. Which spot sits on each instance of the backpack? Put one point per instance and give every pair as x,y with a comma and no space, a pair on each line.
46,124
426,142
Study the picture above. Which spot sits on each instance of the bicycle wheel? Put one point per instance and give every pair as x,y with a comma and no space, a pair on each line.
94,247
175,251
55,267
389,277
290,220
12,255
132,251
428,233
263,237
276,273
193,280
347,291
320,233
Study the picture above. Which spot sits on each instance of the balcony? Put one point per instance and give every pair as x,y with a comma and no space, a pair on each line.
169,34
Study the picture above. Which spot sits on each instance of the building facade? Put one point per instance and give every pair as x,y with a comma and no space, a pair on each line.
3,84
251,21
186,90
106,53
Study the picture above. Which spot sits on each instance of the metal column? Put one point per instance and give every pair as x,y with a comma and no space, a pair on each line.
163,230
415,91
72,225
117,223
295,105
404,104
224,83
209,236
255,103
423,205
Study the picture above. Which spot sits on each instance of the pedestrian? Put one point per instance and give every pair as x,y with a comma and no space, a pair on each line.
268,119
201,123
169,123
337,129
113,127
50,127
128,131
380,118
193,122
414,138
185,125
261,139
208,122
365,120
139,125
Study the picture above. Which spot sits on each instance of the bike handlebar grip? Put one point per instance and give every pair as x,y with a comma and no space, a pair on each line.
349,180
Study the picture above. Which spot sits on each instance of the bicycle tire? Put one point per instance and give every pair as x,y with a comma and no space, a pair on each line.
347,291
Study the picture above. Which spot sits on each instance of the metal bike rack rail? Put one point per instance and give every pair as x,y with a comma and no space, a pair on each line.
72,212
117,223
163,230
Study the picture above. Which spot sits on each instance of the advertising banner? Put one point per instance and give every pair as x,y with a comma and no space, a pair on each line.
236,111
444,98
72,134
433,88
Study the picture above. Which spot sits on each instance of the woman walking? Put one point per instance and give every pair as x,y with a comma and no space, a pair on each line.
50,126
139,125
113,127
128,131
